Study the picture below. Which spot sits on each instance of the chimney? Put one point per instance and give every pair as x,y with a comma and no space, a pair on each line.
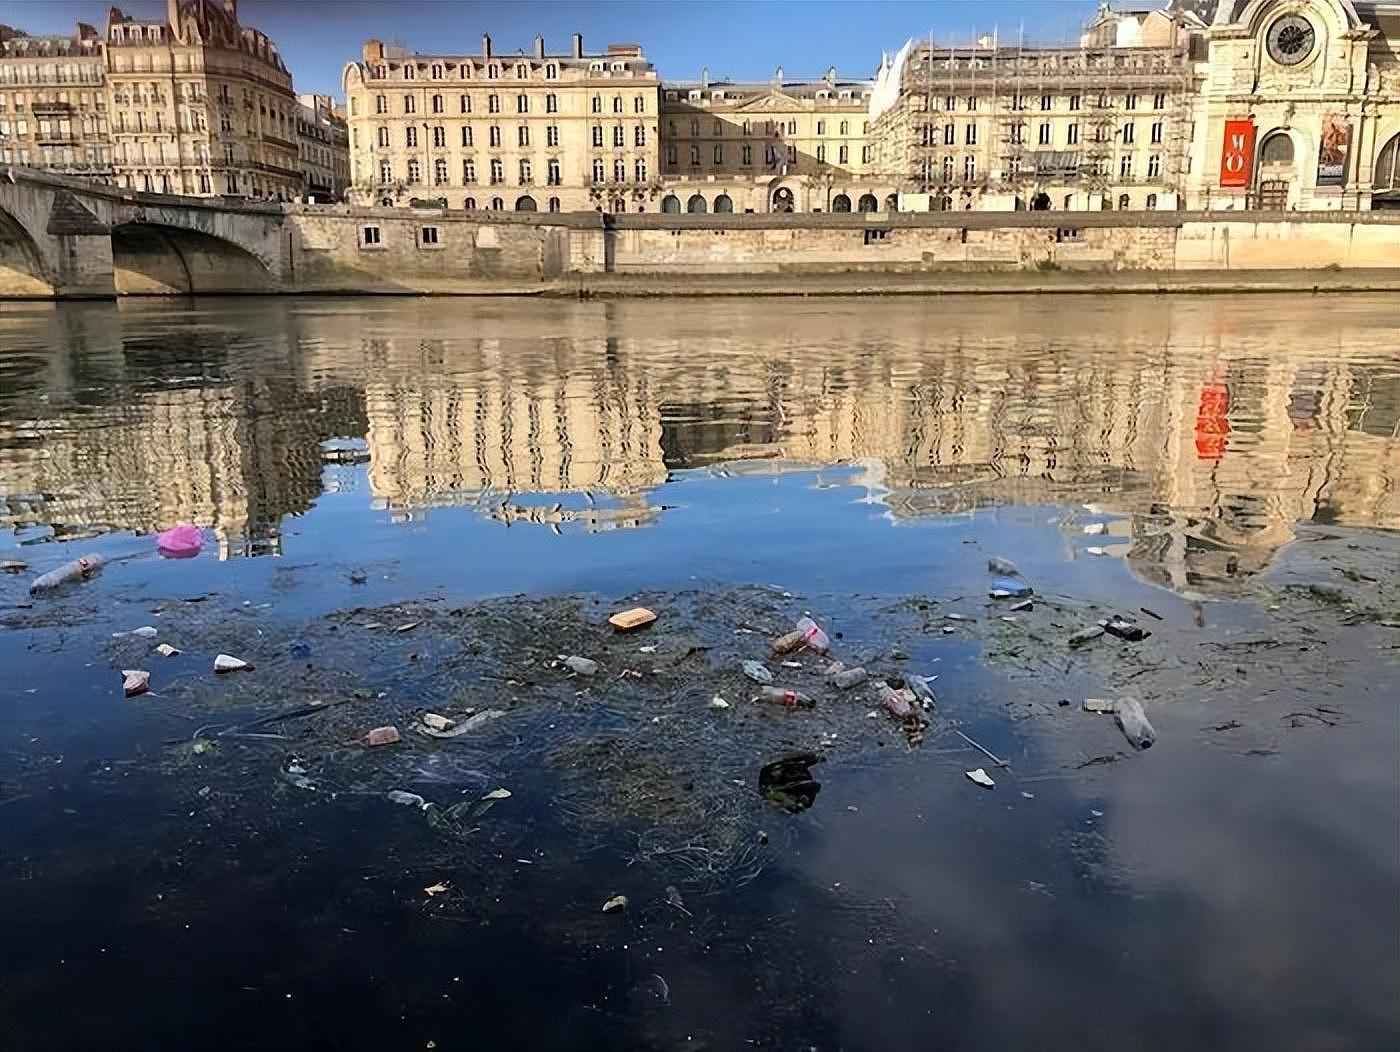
485,46
539,45
373,51
578,45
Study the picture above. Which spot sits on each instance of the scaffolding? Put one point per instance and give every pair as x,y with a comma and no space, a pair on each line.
928,150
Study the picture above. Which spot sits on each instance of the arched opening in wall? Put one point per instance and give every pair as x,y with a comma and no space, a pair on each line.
723,203
783,201
840,203
525,204
153,260
1125,202
867,203
1276,171
1385,177
891,202
945,203
696,204
469,204
22,271
497,205
1151,202
671,203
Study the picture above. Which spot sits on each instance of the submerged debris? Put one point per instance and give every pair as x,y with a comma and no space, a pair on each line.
981,778
135,681
228,663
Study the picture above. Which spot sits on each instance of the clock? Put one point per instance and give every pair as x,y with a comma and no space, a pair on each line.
1291,39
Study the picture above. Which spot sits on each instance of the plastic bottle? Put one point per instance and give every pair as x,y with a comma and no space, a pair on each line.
78,570
581,665
793,699
786,644
1132,721
894,701
813,635
846,678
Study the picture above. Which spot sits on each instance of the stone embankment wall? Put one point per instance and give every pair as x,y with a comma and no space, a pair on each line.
384,250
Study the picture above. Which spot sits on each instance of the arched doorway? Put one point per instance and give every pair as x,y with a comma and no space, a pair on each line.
1040,202
671,203
1276,171
891,202
723,203
840,203
525,204
1385,177
696,204
867,203
783,200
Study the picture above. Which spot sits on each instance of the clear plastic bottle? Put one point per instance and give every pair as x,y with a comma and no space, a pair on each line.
813,635
792,699
846,678
1132,721
78,570
757,672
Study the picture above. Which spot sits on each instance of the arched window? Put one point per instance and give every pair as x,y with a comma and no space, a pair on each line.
840,203
1386,175
696,204
525,204
469,204
1124,202
671,203
867,203
1151,200
1277,150
723,203
497,204
554,204
892,202
945,204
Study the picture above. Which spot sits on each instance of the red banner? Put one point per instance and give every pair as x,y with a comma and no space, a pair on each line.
1237,154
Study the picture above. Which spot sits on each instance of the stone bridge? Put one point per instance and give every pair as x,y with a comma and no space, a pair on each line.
62,237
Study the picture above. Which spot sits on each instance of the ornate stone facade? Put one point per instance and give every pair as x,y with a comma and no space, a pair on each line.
324,141
1299,107
53,103
537,132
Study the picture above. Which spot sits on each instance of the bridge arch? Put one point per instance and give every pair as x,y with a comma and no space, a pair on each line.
156,259
22,269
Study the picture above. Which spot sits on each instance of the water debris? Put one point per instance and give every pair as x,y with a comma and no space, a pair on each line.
1002,567
922,686
718,703
982,778
13,566
1132,721
166,650
409,627
1094,528
144,632
399,796
580,665
1085,635
615,904
958,617
792,699
757,672
788,783
628,620
295,775
497,794
81,569
785,644
1124,629
435,722
440,888
1151,613
673,898
1103,706
383,736
228,663
843,678
1009,588
464,727
663,989
135,681
1096,551
813,635
1023,605
898,703
1331,593
982,749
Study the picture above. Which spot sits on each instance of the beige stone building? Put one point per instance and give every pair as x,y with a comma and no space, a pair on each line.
780,146
323,139
200,104
519,132
1105,125
1299,107
53,104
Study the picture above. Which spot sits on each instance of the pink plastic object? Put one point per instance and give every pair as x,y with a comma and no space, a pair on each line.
180,542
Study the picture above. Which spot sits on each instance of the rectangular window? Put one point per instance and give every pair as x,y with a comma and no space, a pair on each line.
640,171
843,154
410,135
409,104
1125,166
597,107
466,135
972,104
551,103
554,174
440,172
671,153
746,154
1159,101
522,135
1074,102
493,104
639,104
369,235
950,103
1154,167
437,103
694,154
639,135
1128,133
428,235
950,134
522,104
382,136
597,135
1130,102
598,174
1044,134
468,173
439,136
1156,131
719,153
526,175
971,135
865,153
1072,135
821,153
464,103
695,129
1046,102
494,135
970,168
821,127
498,171
619,136
551,135
619,171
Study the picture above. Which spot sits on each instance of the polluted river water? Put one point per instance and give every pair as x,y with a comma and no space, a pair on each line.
420,514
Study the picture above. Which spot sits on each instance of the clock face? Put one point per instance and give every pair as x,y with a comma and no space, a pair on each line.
1291,40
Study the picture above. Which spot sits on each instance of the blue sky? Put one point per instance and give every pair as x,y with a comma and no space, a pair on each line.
735,38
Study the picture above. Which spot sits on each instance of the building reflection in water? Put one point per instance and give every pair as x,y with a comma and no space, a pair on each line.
1213,427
